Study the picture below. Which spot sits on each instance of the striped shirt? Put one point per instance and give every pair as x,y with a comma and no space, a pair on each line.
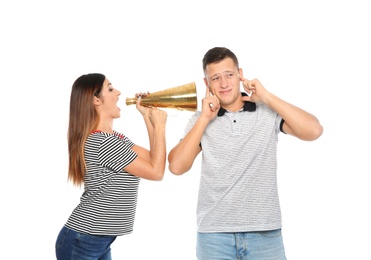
238,186
108,203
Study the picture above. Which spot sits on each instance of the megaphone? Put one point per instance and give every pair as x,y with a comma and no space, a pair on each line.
180,97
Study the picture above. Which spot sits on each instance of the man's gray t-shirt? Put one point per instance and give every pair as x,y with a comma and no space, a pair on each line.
238,183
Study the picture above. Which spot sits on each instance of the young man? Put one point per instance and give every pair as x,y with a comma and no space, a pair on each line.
238,212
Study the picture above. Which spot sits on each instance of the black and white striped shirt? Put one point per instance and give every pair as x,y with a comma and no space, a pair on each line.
108,203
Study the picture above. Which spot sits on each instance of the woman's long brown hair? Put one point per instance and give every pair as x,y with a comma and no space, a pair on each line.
83,119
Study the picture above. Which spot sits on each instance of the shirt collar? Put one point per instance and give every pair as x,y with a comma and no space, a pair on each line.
247,106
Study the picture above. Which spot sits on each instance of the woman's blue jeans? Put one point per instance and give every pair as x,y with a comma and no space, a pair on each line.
72,245
264,245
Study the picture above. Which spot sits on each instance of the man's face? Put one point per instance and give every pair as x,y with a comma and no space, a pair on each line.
223,79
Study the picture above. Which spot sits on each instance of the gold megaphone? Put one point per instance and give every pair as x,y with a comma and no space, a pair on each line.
181,97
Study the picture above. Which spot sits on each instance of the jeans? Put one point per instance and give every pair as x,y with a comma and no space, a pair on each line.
72,245
262,245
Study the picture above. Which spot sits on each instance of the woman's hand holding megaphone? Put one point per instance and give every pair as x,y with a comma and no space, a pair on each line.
142,109
156,116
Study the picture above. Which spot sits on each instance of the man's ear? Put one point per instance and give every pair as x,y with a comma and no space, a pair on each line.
240,72
205,81
208,87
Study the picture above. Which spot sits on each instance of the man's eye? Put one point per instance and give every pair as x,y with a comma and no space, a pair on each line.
215,79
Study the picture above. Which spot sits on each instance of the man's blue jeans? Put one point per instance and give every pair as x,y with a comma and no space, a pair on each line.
263,245
71,245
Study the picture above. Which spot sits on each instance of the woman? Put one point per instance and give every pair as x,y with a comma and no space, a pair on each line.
109,165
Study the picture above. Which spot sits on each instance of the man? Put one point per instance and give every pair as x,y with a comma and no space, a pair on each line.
238,212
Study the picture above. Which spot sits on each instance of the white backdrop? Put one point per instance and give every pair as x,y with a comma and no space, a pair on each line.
314,54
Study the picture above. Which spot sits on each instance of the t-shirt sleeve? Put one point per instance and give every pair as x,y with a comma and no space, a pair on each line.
116,153
279,124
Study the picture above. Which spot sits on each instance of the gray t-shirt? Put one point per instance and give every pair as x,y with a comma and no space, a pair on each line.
238,184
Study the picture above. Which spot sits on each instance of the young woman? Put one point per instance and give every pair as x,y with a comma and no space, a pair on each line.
109,165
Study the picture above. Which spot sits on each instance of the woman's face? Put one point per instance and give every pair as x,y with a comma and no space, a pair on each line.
107,101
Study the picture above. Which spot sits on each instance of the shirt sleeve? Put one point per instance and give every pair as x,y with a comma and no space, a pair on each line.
281,125
116,153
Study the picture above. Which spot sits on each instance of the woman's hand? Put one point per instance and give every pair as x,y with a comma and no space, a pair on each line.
142,109
157,117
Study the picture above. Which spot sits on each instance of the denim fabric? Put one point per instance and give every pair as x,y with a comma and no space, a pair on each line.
71,245
262,245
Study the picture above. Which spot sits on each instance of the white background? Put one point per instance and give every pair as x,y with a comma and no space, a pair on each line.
314,54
